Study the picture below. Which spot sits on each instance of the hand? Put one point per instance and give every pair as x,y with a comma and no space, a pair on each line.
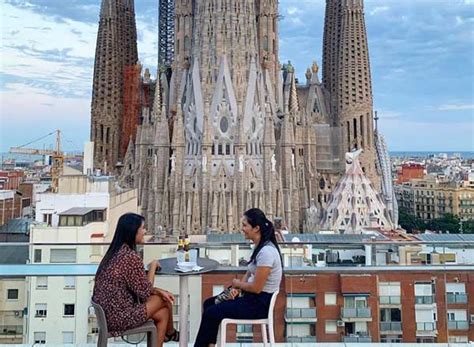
167,296
154,265
236,283
234,292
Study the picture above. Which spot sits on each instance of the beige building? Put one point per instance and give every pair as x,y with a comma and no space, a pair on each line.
84,211
431,198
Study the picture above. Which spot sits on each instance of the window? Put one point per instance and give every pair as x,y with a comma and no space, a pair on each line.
69,309
355,302
37,256
331,327
68,337
63,256
330,299
12,294
216,290
69,282
41,310
389,293
41,282
40,337
47,218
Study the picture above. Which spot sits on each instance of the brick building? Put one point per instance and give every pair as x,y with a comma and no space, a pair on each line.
410,171
408,305
10,179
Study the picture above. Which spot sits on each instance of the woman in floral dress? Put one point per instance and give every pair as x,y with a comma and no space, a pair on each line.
125,291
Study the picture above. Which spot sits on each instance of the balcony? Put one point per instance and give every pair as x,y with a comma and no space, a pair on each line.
390,326
424,300
362,313
389,300
301,339
11,330
458,325
300,315
357,339
426,326
455,298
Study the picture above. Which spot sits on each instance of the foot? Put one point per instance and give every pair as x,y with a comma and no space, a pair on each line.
173,336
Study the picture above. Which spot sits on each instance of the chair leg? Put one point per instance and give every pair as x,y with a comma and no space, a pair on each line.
223,333
151,338
271,332
264,334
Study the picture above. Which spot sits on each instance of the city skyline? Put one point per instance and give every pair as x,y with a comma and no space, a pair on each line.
49,63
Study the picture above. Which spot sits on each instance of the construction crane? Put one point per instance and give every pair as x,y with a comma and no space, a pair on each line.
57,165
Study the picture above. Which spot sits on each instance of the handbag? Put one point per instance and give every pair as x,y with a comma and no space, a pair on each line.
226,295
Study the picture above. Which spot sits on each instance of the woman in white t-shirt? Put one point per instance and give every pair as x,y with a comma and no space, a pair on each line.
256,287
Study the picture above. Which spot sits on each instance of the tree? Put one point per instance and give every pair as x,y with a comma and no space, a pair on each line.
468,226
448,223
410,222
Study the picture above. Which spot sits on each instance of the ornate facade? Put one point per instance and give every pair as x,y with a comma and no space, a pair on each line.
229,131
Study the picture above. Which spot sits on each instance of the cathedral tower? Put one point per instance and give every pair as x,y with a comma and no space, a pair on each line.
115,51
346,74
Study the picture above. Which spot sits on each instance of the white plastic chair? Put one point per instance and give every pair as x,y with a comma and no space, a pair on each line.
264,323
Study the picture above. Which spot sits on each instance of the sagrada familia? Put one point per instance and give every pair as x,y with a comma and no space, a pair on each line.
226,127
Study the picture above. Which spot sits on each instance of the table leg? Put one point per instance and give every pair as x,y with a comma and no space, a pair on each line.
183,311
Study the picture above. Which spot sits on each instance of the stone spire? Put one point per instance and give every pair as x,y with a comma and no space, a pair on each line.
354,204
116,49
346,75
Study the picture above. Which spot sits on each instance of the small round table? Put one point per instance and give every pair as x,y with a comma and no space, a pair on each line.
168,266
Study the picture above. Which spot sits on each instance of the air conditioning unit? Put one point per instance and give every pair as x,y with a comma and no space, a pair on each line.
17,313
340,323
472,318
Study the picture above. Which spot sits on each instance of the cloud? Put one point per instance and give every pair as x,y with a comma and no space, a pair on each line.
456,107
379,9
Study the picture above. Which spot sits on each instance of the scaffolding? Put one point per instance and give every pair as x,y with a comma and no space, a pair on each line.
165,35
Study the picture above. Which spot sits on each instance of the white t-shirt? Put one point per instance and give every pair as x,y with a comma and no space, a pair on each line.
268,257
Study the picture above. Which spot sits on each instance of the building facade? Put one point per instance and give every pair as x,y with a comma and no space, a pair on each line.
229,131
431,198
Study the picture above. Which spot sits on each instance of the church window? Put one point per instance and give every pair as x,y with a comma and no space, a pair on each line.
224,124
265,43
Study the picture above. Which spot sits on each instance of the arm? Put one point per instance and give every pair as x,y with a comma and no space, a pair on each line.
261,276
136,279
245,277
152,267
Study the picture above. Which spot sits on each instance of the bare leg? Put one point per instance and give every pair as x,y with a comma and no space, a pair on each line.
157,309
161,320
169,327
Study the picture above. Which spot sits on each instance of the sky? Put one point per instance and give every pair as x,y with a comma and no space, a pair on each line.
421,56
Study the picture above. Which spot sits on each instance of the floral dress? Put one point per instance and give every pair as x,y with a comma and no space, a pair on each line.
122,289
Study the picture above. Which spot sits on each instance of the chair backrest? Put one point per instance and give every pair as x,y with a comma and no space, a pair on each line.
272,306
101,321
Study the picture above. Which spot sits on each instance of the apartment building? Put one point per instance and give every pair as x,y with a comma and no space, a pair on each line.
85,210
431,198
383,306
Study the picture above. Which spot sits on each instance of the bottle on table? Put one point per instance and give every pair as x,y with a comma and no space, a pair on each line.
186,247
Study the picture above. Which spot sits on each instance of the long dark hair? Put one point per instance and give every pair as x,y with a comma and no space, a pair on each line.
256,217
125,233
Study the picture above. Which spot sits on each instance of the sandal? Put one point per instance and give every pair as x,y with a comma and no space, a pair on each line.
174,336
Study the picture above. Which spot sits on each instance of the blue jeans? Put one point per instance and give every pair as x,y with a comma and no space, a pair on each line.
249,306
